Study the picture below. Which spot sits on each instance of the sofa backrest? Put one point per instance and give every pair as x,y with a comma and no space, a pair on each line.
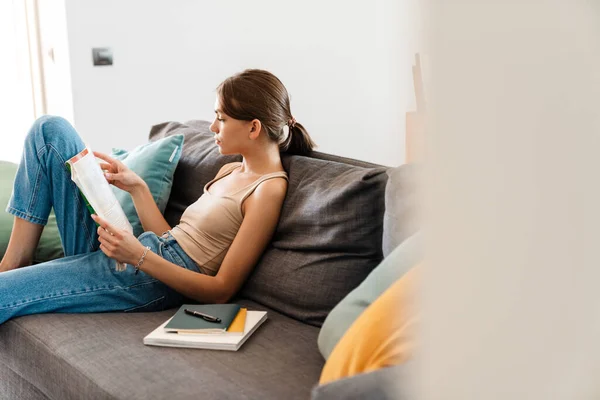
329,235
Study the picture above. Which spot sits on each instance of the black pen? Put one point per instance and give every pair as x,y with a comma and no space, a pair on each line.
205,317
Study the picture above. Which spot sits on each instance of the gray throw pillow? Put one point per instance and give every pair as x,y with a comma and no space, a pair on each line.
327,241
401,218
329,234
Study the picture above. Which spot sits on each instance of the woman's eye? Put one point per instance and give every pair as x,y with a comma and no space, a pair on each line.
220,119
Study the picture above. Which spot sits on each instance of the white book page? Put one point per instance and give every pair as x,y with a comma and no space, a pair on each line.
89,178
159,337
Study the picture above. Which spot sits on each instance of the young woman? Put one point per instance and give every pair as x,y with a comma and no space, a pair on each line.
206,258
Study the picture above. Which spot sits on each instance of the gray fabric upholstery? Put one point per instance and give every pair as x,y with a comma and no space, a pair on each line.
392,383
401,206
101,356
329,234
12,386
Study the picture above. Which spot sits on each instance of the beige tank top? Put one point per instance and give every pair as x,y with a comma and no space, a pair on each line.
208,226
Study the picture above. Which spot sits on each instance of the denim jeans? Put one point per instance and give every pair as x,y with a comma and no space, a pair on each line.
85,280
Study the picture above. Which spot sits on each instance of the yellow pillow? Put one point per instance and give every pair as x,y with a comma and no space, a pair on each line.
382,336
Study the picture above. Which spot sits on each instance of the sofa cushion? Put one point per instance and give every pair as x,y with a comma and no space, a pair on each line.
12,386
101,356
392,383
329,234
155,163
8,171
327,241
49,246
401,206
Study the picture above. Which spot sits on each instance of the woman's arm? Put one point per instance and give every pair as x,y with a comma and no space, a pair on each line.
122,246
261,215
262,210
200,287
147,210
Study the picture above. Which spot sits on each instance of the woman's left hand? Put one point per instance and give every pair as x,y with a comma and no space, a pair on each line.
117,243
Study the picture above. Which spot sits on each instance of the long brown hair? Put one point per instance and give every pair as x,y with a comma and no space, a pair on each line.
258,94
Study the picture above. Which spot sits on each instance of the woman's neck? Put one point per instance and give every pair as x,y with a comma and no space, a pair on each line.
261,162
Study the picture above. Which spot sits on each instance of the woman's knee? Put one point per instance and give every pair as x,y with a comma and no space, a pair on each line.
52,130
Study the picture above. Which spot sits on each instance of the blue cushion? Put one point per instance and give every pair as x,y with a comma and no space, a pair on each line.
392,268
155,163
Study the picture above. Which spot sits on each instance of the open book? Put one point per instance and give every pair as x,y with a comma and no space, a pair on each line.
96,191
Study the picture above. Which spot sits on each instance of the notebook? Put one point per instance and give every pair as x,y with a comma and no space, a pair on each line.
182,322
236,327
159,337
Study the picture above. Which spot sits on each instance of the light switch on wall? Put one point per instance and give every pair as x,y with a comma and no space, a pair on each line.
102,56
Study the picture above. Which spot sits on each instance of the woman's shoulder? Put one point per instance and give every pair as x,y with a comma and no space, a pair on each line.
228,167
268,194
272,187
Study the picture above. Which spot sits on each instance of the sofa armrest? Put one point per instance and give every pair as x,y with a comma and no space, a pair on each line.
383,384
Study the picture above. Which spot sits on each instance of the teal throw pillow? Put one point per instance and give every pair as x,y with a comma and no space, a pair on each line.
392,268
49,247
155,163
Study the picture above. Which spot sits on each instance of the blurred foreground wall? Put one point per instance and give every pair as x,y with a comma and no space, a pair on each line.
512,201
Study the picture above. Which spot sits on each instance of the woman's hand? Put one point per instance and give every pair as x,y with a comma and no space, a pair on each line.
118,244
119,175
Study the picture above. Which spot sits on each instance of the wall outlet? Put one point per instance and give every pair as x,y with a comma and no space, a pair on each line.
102,56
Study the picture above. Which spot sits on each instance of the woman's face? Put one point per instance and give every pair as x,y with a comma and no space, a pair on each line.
230,134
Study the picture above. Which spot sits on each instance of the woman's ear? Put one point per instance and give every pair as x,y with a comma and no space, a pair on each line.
255,128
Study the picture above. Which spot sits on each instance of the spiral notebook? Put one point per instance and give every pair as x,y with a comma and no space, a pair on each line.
160,337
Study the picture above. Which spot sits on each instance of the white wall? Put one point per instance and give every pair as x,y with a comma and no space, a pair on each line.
345,63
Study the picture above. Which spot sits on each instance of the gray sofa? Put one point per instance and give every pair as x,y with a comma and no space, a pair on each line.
328,240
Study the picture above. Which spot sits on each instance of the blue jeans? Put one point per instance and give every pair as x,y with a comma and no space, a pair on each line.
85,280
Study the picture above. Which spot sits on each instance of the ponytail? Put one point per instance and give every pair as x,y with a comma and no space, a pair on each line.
298,141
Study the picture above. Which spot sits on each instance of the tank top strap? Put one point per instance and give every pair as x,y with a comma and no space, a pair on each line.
228,170
221,174
243,195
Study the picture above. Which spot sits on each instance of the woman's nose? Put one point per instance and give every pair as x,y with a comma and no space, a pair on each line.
213,127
